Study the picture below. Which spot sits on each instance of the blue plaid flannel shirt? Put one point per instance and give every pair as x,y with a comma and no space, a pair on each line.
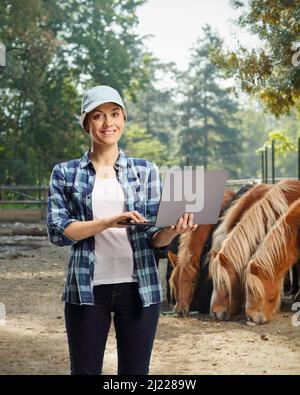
70,199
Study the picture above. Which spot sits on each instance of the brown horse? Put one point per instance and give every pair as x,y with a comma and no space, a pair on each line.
265,271
227,268
186,264
234,214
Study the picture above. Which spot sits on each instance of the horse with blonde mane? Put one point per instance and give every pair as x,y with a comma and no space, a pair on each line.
227,267
265,271
185,264
234,214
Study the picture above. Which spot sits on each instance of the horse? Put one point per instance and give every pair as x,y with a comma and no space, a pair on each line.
227,267
220,297
234,214
265,271
183,279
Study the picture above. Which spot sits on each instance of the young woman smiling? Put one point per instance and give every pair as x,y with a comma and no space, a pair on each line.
112,270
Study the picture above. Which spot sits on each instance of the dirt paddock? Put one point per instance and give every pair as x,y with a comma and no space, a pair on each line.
33,337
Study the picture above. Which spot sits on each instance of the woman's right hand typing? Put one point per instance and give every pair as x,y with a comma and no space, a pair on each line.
127,216
79,230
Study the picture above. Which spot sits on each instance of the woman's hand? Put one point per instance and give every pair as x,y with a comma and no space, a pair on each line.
112,222
184,224
165,236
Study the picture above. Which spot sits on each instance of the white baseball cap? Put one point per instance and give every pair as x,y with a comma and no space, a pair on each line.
99,95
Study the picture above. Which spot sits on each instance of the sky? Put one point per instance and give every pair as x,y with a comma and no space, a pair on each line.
176,25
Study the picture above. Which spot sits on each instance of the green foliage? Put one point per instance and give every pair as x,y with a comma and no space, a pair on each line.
54,51
268,72
139,143
283,144
155,110
209,133
258,129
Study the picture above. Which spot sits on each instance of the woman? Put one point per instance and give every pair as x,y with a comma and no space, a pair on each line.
112,267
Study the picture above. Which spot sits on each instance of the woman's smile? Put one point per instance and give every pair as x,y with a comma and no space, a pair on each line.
108,132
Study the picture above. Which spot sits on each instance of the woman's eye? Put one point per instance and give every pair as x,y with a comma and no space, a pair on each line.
98,116
116,114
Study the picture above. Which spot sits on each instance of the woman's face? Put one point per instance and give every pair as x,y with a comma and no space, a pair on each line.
106,123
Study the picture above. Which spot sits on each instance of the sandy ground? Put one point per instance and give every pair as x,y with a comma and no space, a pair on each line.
33,338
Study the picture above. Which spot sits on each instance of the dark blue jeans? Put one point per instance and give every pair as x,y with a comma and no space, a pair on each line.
88,326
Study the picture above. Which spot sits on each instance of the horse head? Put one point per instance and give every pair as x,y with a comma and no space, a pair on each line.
262,294
183,283
265,271
227,296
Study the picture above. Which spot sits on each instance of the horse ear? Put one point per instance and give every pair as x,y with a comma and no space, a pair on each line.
172,258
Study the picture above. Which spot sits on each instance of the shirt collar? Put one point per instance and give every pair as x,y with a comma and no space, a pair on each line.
122,160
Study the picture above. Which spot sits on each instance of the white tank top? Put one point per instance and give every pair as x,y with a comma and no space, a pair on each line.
113,251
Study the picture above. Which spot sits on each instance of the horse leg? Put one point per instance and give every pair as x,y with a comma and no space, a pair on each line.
297,296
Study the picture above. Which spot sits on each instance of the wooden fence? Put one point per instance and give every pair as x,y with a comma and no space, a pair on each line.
34,198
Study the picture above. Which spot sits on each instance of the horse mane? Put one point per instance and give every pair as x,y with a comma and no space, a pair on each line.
228,220
186,239
220,277
273,250
184,256
186,260
240,243
171,281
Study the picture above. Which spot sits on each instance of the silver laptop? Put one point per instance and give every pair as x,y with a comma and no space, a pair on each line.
172,205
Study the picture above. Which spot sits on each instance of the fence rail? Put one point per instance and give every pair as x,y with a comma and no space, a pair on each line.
41,192
38,194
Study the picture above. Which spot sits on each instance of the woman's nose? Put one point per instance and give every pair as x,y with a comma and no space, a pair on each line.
108,120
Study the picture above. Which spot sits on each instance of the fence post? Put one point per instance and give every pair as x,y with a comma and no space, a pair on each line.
298,158
266,164
262,166
45,198
40,181
273,161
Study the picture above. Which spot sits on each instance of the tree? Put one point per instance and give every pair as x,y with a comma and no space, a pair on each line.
209,134
139,143
102,43
258,129
155,109
30,48
54,51
272,72
254,125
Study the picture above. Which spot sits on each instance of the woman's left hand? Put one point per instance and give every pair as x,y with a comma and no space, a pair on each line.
184,224
165,236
